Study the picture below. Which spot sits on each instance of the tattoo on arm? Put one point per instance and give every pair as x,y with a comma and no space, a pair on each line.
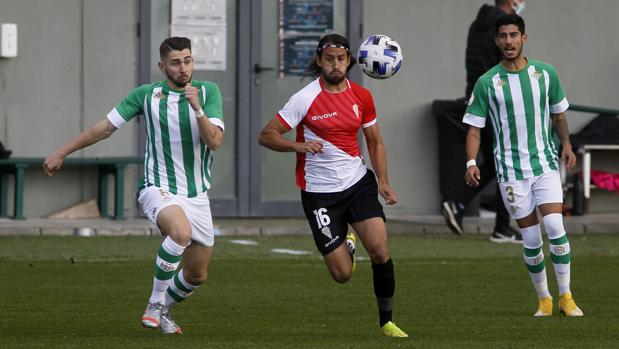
109,129
560,126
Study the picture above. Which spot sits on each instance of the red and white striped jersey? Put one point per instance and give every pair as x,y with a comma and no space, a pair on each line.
333,118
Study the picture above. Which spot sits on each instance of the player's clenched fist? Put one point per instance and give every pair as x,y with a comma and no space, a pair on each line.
192,96
309,147
52,164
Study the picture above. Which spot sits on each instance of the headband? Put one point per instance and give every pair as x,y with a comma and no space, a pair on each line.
319,50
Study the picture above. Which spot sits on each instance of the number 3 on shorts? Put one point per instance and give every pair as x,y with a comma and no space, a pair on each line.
321,217
510,194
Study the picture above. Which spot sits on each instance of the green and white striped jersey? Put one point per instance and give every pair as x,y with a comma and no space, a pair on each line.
175,158
519,105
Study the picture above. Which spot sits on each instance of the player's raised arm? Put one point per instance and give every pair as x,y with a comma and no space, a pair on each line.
210,134
101,130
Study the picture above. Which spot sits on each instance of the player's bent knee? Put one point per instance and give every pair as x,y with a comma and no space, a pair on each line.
181,239
196,279
341,278
181,236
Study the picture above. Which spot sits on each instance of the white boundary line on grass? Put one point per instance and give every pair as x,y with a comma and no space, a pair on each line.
289,251
244,242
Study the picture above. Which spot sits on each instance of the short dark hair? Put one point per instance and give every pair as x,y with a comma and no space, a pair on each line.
175,43
507,20
498,3
336,40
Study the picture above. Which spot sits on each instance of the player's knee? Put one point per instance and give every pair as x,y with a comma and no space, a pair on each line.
379,254
340,275
181,235
554,225
532,236
341,278
196,278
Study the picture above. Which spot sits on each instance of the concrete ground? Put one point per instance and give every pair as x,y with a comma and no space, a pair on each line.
413,224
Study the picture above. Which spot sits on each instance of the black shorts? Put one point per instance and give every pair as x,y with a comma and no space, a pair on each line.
329,214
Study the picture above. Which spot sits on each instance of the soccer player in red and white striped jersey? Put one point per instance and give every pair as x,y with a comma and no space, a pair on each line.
336,187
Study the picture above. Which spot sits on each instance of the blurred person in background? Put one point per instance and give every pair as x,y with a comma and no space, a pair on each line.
482,54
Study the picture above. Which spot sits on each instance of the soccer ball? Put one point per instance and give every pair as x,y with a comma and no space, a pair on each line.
380,57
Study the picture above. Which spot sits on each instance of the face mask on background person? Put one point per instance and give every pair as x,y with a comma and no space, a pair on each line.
518,6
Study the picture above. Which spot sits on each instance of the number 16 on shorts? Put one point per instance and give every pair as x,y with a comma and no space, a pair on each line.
323,220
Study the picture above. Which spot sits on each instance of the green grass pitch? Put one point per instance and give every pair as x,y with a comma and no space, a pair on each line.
451,292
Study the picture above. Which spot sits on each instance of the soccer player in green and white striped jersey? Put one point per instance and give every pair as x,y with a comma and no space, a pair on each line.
184,125
525,102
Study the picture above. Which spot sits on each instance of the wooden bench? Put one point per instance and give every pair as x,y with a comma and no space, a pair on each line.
106,166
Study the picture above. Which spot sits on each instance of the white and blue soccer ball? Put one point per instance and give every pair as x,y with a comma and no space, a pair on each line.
380,57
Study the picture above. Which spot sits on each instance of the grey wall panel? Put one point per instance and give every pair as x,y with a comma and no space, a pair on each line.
41,86
580,39
577,37
109,74
109,69
76,59
432,35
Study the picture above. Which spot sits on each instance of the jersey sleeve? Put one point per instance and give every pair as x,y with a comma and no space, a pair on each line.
556,97
293,112
477,109
128,107
212,104
369,109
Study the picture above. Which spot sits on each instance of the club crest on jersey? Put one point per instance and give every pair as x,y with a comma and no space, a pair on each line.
536,75
500,83
355,108
160,95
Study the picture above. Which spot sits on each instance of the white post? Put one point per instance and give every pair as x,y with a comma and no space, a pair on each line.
586,174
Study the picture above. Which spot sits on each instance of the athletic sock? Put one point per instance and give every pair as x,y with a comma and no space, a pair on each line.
534,259
168,259
559,250
560,255
384,288
178,290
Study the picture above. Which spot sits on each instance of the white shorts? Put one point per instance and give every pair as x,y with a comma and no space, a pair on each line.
197,210
522,196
